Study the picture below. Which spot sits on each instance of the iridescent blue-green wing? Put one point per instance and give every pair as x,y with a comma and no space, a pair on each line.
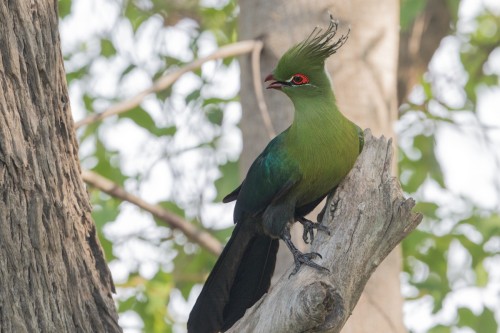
272,175
232,196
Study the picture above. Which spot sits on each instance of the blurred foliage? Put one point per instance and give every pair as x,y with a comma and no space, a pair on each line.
183,132
165,131
450,252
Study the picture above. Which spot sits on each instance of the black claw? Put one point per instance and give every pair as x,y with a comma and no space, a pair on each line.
309,227
317,255
301,258
306,259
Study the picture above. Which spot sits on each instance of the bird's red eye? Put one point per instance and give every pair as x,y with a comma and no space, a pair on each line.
299,79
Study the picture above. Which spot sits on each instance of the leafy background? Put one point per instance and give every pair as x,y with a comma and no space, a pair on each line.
179,149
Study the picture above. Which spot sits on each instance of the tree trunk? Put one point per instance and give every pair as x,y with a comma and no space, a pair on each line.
364,78
54,276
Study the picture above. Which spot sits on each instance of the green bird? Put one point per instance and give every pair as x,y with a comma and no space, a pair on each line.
296,170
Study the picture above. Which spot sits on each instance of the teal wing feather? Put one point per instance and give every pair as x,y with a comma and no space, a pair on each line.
272,175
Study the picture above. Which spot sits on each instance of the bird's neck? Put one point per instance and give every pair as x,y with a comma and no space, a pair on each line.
318,114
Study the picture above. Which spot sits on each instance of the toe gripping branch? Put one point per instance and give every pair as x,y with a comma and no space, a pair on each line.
301,258
309,227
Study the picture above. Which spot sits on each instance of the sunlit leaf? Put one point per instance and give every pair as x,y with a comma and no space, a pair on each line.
228,181
484,323
64,7
139,116
440,329
107,48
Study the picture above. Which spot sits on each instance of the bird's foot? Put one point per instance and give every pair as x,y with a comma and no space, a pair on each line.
306,259
301,258
309,227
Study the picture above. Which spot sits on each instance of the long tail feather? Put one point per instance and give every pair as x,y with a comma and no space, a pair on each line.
241,275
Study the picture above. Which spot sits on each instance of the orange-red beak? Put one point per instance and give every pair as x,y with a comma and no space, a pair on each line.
274,84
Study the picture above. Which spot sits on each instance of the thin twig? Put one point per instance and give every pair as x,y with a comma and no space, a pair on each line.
166,81
203,238
257,85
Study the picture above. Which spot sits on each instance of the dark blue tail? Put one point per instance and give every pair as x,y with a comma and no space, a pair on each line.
240,277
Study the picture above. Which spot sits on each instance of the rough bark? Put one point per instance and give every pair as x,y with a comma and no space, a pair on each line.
367,216
364,78
54,276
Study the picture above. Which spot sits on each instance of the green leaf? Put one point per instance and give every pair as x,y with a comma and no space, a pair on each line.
488,226
135,15
107,48
127,70
150,300
77,74
482,276
194,95
426,208
139,116
64,8
164,131
228,181
484,323
88,101
440,329
215,115
108,164
487,322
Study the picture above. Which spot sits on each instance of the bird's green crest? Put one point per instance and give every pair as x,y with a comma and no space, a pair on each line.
312,52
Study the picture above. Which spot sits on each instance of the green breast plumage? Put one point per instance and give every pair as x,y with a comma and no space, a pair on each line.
324,161
324,154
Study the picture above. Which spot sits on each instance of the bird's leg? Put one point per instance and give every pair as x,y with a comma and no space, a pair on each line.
323,210
309,227
298,257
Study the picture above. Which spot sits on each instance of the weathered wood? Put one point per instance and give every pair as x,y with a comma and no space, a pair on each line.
53,274
367,216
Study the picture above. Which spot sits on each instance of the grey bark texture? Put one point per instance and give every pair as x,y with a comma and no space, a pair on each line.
53,273
364,75
367,216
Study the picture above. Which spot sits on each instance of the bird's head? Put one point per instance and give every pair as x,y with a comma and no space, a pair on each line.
301,70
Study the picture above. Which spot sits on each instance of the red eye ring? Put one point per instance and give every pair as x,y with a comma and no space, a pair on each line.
299,79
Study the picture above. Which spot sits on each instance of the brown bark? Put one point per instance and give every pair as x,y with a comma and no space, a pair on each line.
368,216
54,276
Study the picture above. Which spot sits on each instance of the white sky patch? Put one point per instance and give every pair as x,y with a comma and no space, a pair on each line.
88,18
468,164
447,73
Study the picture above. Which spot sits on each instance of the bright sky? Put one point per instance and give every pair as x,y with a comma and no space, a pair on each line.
468,164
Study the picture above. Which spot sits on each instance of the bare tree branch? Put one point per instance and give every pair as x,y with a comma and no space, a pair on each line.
368,216
203,238
259,95
166,81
